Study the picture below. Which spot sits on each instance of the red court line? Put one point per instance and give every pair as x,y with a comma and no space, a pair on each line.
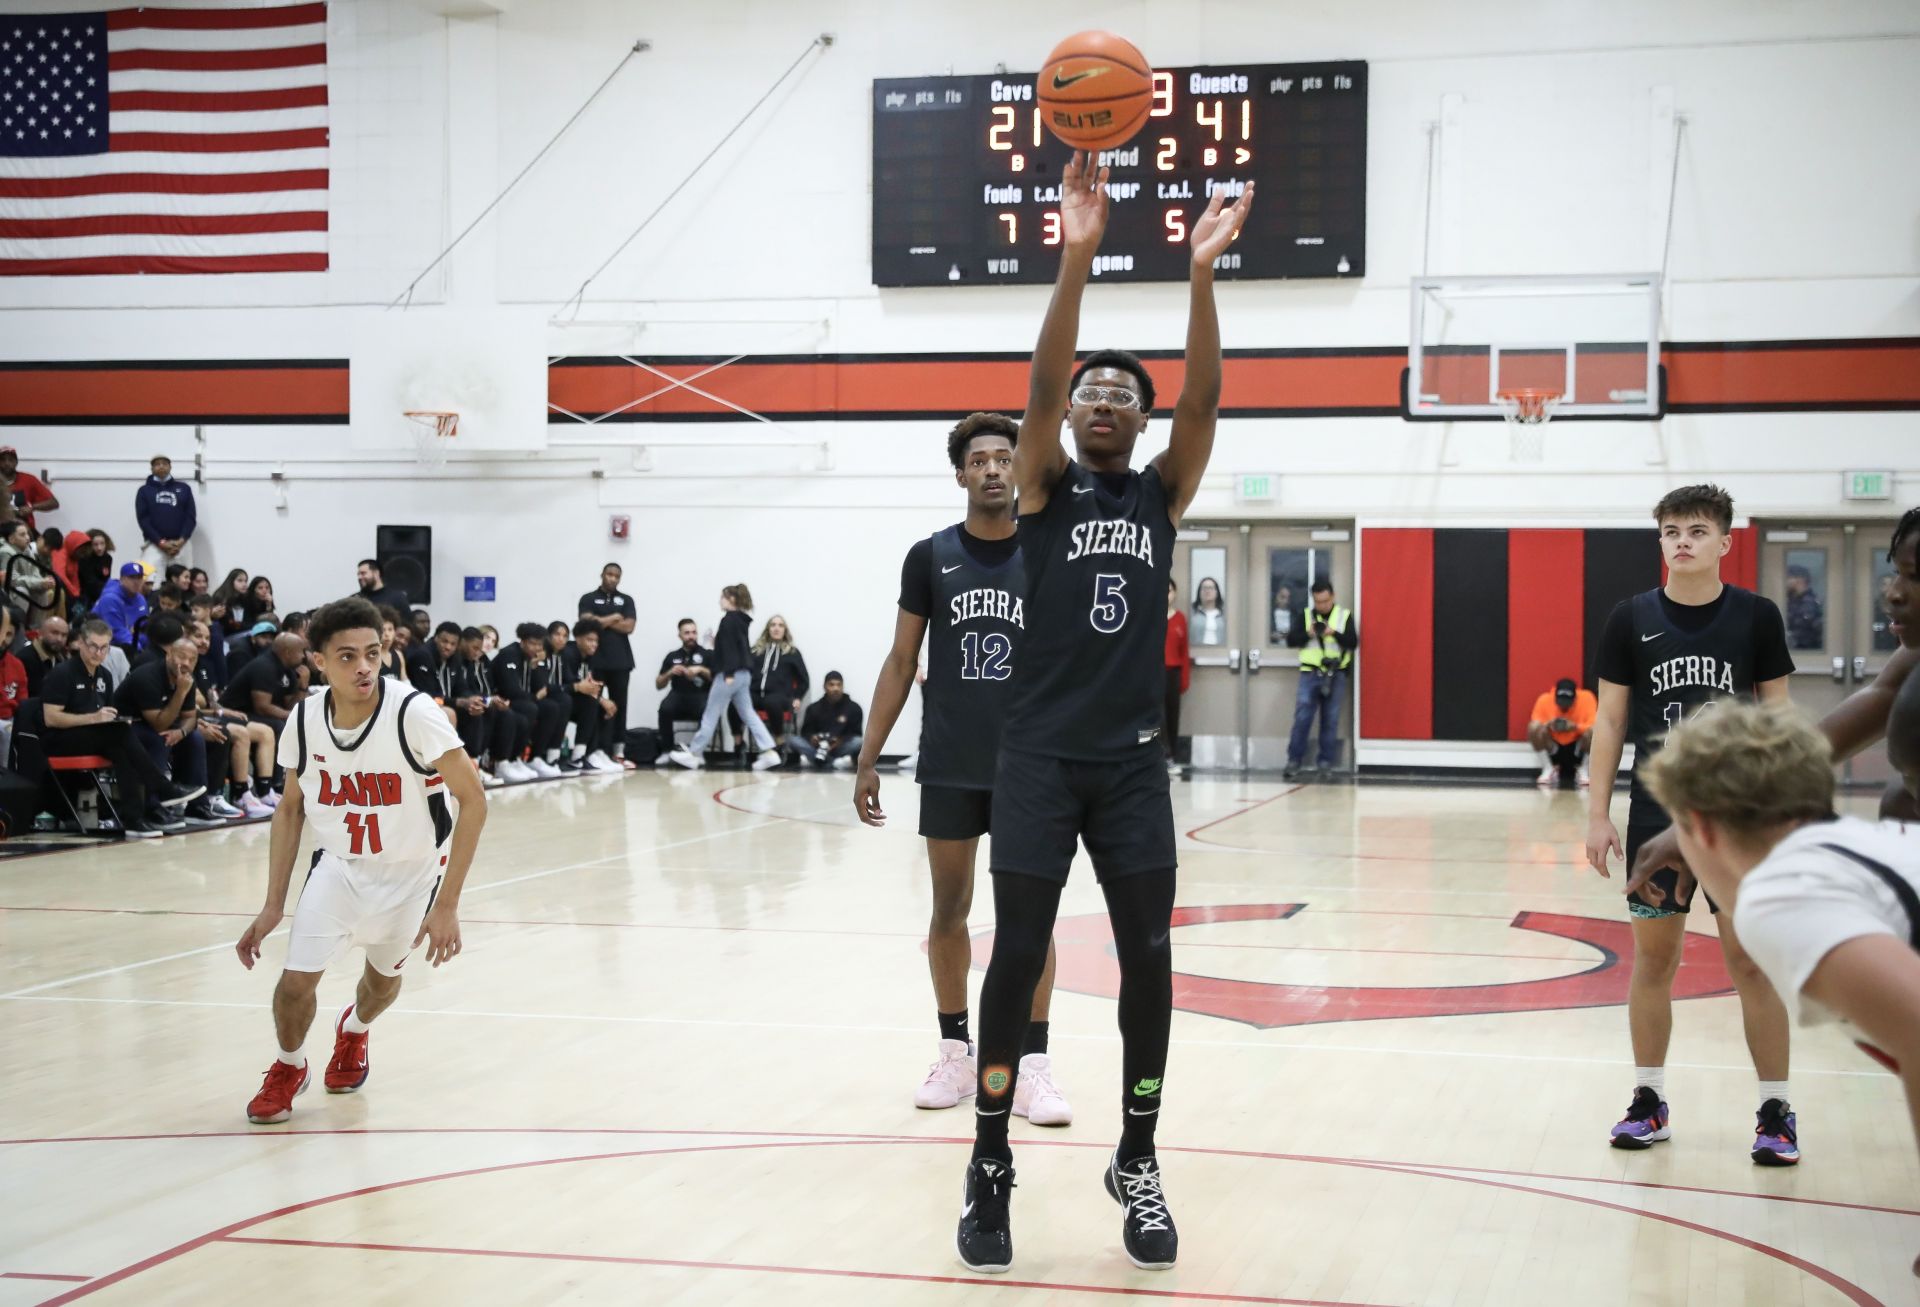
651,1131
1395,952
225,1233
997,1282
1251,807
31,1275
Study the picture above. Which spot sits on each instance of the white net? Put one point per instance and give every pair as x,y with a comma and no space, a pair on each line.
433,432
1527,413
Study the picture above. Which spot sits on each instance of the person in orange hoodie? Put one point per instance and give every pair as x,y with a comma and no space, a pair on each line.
1179,671
65,558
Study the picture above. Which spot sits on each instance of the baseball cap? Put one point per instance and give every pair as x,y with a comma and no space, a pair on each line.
264,627
133,569
1566,689
8,449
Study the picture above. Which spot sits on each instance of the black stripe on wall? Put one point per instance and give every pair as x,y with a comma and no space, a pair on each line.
1469,635
1619,564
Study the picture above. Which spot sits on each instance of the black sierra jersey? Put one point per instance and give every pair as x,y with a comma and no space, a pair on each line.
973,646
1092,670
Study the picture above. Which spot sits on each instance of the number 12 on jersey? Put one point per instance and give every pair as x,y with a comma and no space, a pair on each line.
364,832
986,657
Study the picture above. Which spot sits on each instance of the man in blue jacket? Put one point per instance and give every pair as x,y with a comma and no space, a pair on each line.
122,606
165,510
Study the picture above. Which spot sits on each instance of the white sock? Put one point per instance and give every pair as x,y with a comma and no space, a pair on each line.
353,1025
1546,759
553,755
1654,1078
296,1058
1773,1089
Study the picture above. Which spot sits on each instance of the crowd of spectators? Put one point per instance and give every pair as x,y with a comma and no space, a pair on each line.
184,686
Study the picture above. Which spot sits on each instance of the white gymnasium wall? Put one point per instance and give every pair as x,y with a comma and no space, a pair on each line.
1799,182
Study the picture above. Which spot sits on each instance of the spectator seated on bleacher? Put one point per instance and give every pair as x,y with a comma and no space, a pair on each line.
80,720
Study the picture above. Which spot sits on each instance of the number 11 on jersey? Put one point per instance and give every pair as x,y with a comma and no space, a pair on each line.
364,832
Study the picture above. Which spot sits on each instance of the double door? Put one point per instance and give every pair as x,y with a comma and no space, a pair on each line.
1245,587
1828,579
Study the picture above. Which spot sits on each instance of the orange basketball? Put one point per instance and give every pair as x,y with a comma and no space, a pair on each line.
1095,90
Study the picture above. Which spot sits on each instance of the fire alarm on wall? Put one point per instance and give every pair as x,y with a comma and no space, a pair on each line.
618,525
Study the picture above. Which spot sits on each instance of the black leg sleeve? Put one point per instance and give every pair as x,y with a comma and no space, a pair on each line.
550,726
617,684
586,716
1140,908
1024,908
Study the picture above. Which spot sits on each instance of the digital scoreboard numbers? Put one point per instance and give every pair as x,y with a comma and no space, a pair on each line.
966,177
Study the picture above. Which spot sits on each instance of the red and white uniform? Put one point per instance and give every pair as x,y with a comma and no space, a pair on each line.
380,817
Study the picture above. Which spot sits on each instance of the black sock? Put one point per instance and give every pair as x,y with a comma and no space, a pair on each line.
990,1137
262,786
1136,1129
1036,1038
953,1025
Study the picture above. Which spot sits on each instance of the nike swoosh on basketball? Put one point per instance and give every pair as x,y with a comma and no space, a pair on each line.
1062,83
956,567
1655,636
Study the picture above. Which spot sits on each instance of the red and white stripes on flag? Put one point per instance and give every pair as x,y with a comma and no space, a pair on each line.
208,149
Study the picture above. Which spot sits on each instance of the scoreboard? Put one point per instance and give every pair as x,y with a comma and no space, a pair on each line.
966,178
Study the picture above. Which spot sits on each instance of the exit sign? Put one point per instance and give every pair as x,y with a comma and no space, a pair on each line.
1868,485
1257,488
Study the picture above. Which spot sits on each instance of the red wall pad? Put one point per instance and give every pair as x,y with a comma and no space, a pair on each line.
1545,617
1396,633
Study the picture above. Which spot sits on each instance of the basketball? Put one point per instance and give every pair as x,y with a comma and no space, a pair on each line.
1095,90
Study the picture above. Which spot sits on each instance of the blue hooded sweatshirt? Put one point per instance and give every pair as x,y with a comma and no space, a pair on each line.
165,510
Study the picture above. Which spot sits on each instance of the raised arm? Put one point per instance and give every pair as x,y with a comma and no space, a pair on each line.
889,697
1197,412
1038,458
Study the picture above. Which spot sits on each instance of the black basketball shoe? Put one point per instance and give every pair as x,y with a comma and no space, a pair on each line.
985,1237
1147,1231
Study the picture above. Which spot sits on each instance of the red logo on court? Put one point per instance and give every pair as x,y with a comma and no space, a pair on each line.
1087,966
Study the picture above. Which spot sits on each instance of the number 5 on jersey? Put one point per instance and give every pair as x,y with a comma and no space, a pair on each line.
1109,602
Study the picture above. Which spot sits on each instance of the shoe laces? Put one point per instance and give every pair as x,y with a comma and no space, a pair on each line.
992,1191
1645,1104
1773,1120
282,1078
954,1066
1146,1200
1040,1084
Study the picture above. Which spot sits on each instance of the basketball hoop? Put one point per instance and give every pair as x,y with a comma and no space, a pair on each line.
1527,410
433,432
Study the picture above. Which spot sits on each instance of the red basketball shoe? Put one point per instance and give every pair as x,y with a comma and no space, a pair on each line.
349,1068
274,1103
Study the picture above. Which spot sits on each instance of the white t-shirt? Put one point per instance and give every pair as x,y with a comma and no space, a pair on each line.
370,794
1804,901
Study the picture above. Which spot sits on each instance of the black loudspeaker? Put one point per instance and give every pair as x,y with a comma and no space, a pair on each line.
406,560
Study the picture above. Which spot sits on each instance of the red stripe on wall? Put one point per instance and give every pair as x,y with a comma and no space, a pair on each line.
131,392
1545,626
1396,584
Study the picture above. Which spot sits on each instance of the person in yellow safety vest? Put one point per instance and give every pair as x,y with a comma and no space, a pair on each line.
1326,637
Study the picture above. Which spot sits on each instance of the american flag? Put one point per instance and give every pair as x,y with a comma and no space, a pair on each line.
151,140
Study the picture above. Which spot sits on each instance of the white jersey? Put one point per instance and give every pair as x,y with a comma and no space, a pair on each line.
1825,884
371,793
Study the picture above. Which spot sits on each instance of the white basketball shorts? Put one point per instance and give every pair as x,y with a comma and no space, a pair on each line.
376,905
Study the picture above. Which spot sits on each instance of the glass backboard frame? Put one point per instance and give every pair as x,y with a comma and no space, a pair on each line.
1603,346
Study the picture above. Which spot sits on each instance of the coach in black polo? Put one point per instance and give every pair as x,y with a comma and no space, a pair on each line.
614,663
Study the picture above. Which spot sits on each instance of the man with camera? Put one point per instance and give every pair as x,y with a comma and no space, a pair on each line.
1326,637
1561,733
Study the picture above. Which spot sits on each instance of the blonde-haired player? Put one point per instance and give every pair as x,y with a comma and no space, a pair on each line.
1829,908
370,763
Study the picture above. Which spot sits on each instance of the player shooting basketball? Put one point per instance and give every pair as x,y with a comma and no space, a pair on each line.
1080,759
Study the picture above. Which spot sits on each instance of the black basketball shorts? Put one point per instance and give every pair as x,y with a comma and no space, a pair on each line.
1121,810
948,812
1640,903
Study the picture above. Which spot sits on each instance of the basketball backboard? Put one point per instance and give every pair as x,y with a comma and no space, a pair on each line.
1594,339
